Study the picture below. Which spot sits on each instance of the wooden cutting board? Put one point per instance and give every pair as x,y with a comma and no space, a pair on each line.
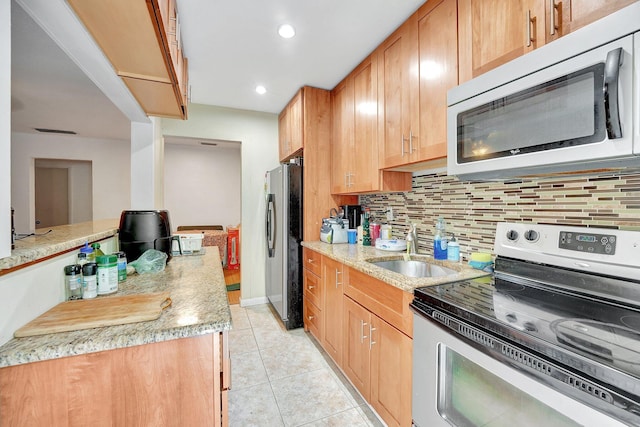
96,313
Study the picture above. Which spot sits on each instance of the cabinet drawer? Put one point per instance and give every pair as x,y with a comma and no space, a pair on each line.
387,302
312,290
312,261
313,319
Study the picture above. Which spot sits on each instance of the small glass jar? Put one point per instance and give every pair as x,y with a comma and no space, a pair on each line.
122,266
72,283
89,280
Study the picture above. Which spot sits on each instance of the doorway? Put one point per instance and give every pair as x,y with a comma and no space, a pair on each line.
63,192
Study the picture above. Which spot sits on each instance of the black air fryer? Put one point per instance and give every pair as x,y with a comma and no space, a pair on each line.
143,230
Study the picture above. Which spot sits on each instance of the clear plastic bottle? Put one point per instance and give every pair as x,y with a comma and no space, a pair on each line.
89,253
439,240
453,249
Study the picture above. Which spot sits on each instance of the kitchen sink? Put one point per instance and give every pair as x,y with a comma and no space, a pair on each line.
414,268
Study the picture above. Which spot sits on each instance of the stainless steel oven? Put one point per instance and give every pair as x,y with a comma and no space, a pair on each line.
552,338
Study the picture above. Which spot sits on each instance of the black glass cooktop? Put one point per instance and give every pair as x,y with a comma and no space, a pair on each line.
575,330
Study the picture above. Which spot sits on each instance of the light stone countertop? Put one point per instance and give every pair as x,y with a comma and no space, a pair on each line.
358,257
199,306
61,239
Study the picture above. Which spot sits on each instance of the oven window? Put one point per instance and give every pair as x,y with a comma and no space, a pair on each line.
469,395
563,112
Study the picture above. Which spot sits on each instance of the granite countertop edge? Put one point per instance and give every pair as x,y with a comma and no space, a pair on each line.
199,306
59,240
358,257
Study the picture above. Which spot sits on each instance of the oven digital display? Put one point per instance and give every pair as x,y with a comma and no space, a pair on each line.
604,244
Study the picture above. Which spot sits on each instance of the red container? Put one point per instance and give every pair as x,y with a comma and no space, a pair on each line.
375,232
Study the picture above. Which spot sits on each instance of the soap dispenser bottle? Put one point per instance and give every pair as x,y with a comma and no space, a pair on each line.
439,241
453,249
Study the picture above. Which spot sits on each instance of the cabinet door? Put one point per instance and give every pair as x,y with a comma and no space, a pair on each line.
333,273
391,361
295,124
355,355
570,15
342,141
438,64
283,133
395,95
493,32
364,159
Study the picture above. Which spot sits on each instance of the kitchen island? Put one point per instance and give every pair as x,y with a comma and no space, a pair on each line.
169,371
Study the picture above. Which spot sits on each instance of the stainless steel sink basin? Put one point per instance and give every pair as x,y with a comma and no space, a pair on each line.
415,268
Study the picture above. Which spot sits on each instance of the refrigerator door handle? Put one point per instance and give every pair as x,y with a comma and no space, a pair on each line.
271,226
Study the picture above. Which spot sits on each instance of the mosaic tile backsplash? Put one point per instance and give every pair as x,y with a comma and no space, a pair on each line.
472,209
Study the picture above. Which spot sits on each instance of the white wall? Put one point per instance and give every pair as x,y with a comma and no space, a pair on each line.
5,128
258,133
202,185
111,172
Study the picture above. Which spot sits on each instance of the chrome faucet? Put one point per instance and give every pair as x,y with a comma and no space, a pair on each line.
412,240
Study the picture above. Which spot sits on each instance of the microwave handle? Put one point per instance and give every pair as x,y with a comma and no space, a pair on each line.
611,71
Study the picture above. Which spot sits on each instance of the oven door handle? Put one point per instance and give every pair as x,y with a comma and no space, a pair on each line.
612,112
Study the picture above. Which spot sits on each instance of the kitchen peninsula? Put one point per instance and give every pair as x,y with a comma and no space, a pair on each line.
170,371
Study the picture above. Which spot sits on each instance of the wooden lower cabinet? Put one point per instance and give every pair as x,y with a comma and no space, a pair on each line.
377,359
334,278
312,303
180,382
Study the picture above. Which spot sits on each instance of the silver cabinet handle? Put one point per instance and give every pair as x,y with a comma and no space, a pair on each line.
310,317
371,341
337,281
410,141
529,32
310,287
402,146
362,335
310,260
552,15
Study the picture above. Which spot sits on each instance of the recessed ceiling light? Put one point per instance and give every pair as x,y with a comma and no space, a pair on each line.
261,89
286,31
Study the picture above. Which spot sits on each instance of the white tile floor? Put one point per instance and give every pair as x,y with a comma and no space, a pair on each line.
283,378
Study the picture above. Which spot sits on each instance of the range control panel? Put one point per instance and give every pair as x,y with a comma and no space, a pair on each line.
588,242
597,250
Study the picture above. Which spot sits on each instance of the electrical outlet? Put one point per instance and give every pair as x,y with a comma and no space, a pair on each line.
389,213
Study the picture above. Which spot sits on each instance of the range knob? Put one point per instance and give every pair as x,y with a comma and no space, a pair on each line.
531,235
512,235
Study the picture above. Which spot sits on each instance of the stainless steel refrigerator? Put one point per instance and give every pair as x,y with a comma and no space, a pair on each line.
283,238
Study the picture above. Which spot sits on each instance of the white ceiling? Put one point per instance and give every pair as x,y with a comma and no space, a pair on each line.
232,46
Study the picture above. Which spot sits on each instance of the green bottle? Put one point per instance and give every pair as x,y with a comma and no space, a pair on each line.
366,233
96,250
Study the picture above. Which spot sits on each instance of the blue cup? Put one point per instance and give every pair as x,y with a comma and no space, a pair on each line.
352,235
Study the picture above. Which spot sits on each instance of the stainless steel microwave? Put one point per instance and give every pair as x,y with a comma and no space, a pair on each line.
570,106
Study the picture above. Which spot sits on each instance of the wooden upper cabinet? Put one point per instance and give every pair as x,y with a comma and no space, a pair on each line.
493,32
291,128
141,40
566,16
397,104
342,118
438,72
418,65
355,150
